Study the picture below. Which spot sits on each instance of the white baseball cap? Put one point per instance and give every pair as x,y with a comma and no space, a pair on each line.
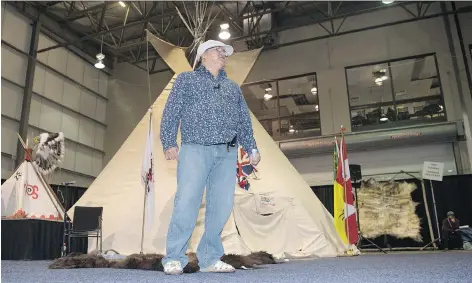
213,43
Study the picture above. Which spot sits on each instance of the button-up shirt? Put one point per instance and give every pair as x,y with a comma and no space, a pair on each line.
210,110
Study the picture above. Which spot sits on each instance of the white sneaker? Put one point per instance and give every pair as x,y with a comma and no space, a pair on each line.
173,268
219,266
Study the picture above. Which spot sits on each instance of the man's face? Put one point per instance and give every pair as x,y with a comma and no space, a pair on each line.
216,55
451,216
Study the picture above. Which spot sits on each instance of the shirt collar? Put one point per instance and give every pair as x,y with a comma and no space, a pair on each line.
204,71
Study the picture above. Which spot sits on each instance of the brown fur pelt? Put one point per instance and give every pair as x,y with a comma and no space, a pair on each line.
75,260
154,261
386,208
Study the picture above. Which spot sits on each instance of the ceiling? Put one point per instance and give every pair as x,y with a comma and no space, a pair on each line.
121,26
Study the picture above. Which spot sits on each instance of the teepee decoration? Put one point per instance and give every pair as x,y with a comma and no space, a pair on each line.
50,149
26,194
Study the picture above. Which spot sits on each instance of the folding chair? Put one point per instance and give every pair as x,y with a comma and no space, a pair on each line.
87,223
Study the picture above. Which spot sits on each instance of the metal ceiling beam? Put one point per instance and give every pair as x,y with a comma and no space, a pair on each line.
169,12
91,11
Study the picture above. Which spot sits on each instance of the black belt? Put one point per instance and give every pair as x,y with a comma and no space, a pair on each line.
232,143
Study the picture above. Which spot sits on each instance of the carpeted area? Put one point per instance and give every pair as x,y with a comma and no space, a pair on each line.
453,266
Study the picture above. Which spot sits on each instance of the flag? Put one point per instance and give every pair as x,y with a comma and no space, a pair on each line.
147,178
344,209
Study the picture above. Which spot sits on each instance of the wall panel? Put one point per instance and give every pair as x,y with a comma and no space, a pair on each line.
14,65
35,110
71,95
53,86
69,156
88,103
83,160
12,100
16,29
75,67
86,131
39,79
9,136
50,117
91,78
70,124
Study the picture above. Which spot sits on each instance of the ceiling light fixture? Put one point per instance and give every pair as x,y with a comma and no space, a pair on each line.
122,4
314,90
291,130
267,96
99,64
224,33
383,118
387,1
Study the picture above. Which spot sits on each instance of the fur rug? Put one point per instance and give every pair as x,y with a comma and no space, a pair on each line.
386,208
153,261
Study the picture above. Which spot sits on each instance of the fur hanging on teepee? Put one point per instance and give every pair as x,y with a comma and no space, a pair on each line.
386,208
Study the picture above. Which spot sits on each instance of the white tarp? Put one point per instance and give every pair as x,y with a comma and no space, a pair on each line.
299,225
26,195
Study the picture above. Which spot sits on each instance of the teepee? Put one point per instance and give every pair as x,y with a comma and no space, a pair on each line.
279,213
26,194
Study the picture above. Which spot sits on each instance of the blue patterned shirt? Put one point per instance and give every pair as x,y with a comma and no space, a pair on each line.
209,110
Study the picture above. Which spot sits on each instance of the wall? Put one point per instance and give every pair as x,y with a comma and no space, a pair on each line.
128,102
14,65
69,95
329,58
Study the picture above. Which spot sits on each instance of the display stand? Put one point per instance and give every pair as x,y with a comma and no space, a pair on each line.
412,175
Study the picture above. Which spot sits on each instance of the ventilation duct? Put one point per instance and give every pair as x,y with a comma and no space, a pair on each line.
443,132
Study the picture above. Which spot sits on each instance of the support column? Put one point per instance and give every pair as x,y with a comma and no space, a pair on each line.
465,98
28,90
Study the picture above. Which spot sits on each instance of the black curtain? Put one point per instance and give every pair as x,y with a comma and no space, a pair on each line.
453,193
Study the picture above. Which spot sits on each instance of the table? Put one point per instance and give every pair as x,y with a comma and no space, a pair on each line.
35,239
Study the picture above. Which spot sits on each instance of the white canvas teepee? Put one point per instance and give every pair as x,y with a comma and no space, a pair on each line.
279,213
27,195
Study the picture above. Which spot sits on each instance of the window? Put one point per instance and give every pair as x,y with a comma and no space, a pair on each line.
287,108
396,93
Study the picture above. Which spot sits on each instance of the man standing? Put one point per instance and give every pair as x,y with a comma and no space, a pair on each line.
450,230
214,118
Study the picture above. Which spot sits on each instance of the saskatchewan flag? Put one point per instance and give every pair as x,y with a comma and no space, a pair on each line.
344,210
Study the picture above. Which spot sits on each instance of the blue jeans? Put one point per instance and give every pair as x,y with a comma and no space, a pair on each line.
199,166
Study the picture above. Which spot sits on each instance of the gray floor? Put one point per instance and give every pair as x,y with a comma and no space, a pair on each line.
450,267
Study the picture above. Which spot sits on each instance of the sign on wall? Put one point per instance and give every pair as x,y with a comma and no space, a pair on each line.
433,171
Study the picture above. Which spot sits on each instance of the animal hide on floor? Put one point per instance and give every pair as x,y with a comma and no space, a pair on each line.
153,261
386,208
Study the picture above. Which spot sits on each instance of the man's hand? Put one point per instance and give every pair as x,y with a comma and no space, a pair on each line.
255,158
172,153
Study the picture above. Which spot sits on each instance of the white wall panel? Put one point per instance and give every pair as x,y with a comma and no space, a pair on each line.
83,160
57,59
71,95
101,110
39,79
86,131
318,169
103,84
88,103
16,29
35,110
9,136
69,156
70,124
44,42
91,78
75,67
97,163
53,86
51,116
8,165
99,136
14,65
12,100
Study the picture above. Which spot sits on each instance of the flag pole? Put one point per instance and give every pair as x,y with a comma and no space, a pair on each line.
344,186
